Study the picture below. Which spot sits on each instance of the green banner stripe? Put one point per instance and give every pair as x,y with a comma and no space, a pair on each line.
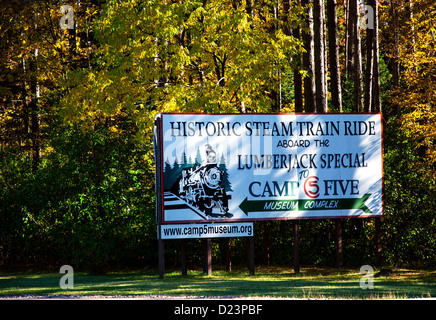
304,204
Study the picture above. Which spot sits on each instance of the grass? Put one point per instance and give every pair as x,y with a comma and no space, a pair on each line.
268,282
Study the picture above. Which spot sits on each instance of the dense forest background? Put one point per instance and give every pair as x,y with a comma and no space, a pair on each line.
79,91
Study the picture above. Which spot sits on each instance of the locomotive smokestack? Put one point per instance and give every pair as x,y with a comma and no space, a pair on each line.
210,154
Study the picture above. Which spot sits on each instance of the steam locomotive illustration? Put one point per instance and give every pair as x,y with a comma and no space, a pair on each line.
201,187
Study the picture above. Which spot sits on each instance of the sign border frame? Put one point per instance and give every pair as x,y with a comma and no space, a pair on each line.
161,210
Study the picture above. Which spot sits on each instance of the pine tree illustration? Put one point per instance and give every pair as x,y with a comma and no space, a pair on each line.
172,175
183,159
198,159
168,174
225,182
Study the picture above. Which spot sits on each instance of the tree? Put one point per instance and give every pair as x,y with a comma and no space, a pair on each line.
415,96
369,65
335,72
225,178
395,51
77,111
197,52
198,159
308,59
320,56
35,58
357,55
372,74
298,81
168,183
354,53
376,103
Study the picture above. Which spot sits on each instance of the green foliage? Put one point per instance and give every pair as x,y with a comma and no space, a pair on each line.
184,56
90,202
409,197
77,207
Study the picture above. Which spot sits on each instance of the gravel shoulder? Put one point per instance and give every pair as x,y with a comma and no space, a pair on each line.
136,297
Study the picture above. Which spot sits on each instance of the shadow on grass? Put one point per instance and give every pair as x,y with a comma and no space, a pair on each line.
268,282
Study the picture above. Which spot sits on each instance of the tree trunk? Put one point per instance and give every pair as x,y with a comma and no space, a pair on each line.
276,93
266,242
250,255
335,73
296,248
349,66
184,258
35,115
320,68
308,62
207,256
378,245
249,8
228,252
339,244
369,66
357,56
72,41
376,105
396,53
298,84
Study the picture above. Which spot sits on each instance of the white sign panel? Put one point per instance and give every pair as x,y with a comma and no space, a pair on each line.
215,230
236,167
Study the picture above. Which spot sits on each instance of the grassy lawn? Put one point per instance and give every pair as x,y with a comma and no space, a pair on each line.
268,282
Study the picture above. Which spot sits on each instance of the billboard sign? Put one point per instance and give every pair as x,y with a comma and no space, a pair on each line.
246,167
